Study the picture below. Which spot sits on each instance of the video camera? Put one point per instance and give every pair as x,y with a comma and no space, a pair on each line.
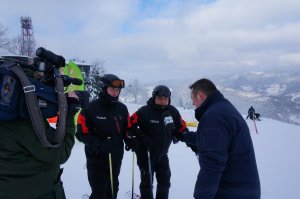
41,71
34,89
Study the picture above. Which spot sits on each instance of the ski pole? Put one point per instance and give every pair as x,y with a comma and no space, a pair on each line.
132,189
255,126
149,164
150,170
111,174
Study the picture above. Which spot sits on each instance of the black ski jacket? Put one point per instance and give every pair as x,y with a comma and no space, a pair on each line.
148,119
99,121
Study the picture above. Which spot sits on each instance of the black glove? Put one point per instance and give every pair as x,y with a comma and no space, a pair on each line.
193,147
178,135
73,103
105,146
132,144
146,141
94,145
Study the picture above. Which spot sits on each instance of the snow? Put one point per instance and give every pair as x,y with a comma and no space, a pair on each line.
262,99
275,89
249,94
277,155
295,98
295,118
247,88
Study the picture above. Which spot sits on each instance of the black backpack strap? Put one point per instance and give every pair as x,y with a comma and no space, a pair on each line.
35,112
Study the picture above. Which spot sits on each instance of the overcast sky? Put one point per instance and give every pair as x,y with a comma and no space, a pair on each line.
163,39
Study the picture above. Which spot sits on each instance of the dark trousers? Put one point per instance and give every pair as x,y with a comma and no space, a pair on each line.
99,179
162,172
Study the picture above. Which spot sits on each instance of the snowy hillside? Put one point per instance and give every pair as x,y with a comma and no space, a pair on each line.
277,153
273,94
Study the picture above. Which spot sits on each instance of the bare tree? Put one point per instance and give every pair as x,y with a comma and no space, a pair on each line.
134,87
15,45
24,43
4,42
135,92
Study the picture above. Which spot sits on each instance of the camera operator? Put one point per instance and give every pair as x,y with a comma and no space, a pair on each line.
28,170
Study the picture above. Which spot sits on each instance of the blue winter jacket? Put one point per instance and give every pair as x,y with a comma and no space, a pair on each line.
225,151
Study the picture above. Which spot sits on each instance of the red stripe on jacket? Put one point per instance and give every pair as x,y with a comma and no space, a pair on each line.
183,125
81,121
134,119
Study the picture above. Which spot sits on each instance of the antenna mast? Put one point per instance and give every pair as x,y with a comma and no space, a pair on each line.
27,39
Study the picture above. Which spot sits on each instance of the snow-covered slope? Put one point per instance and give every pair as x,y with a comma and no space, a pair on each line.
277,154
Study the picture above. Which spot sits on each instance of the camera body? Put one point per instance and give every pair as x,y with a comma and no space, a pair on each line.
41,71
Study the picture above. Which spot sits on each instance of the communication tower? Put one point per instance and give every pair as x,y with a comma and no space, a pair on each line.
27,39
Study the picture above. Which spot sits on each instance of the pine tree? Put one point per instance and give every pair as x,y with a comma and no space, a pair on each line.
92,81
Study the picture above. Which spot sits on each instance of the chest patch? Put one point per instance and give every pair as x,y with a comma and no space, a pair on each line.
154,121
101,118
168,120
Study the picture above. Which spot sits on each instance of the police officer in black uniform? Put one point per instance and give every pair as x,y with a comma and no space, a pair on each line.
102,128
155,124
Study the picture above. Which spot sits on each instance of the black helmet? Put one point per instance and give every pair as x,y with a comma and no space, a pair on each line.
161,90
110,80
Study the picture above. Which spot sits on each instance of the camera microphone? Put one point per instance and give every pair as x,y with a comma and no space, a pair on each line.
169,124
70,80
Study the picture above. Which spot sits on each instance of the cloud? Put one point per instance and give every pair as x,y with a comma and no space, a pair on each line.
166,39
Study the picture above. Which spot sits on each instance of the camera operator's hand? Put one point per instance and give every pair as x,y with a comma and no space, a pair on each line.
73,102
72,94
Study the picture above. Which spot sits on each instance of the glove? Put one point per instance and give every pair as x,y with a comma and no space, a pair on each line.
105,146
73,103
146,141
132,144
193,148
94,145
178,135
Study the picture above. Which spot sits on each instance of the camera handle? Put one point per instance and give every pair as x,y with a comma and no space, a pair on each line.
62,107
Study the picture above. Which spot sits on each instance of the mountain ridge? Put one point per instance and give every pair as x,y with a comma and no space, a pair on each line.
273,94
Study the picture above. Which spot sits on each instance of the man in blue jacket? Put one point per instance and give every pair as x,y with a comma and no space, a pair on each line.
225,149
